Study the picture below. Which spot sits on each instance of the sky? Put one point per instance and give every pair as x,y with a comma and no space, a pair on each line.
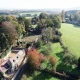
38,4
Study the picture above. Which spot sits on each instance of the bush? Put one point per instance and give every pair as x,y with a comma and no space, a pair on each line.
69,59
47,50
56,38
38,44
51,65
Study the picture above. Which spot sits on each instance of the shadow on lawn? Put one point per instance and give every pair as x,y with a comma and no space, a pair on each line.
42,76
60,55
76,71
64,67
77,26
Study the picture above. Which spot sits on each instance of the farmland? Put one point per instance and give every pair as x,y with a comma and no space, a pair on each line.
32,13
29,15
71,37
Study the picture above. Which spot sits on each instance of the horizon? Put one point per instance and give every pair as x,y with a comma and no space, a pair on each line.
40,4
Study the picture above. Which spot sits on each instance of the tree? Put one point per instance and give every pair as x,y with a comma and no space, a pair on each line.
42,57
33,59
27,23
46,50
3,42
19,29
71,17
69,59
38,44
47,34
41,24
42,16
9,30
52,60
49,22
62,15
2,18
76,16
52,63
78,20
35,20
56,22
59,18
7,18
21,20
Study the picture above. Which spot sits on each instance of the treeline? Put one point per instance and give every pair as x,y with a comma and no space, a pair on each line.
10,30
12,27
73,16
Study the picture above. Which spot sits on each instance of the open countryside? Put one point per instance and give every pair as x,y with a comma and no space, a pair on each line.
39,41
71,37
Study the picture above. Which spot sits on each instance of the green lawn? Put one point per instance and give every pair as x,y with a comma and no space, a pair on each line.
71,37
56,50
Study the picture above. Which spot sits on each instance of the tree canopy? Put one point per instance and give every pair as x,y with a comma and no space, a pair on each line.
42,16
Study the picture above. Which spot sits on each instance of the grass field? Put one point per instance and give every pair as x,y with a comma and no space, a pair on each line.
32,13
71,37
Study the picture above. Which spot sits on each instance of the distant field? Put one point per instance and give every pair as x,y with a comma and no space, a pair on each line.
32,13
71,37
28,17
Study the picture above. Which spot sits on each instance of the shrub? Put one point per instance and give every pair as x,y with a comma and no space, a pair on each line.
52,63
38,44
69,59
47,50
56,38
